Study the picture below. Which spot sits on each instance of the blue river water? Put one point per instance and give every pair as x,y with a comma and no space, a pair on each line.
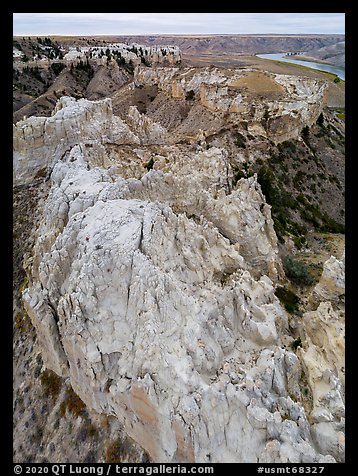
339,71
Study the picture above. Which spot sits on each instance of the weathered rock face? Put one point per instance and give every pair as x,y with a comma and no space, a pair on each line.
151,291
290,102
39,142
331,285
106,78
134,52
323,359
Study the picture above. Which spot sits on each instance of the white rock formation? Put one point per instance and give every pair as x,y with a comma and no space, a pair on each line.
150,290
153,54
296,102
323,358
16,53
332,282
324,361
39,142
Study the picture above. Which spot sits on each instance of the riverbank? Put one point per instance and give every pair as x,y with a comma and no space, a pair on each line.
310,59
335,94
327,68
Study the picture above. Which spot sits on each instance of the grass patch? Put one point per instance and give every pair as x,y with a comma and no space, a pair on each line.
326,73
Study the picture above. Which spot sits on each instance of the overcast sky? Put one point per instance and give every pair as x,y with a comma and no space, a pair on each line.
174,23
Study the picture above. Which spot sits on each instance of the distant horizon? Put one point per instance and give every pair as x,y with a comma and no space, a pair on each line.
180,34
177,24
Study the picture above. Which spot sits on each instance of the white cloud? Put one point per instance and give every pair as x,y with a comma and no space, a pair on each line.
176,23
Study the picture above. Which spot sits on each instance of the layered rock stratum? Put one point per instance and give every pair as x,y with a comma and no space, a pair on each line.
152,279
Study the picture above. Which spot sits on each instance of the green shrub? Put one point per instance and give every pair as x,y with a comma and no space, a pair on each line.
305,132
82,71
296,271
299,241
244,172
296,343
240,140
144,61
320,120
190,95
287,147
57,68
288,299
149,164
266,178
329,225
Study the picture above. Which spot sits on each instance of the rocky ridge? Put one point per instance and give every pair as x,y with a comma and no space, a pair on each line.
227,96
133,52
152,281
224,97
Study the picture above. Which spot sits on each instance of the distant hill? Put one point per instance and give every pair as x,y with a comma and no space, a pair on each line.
334,54
237,44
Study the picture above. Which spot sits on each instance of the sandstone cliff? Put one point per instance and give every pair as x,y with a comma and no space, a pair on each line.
152,283
272,105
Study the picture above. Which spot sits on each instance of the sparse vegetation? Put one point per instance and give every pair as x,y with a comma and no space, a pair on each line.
320,119
21,321
297,271
72,403
305,132
34,72
51,383
288,299
144,61
190,95
240,140
281,201
51,49
118,450
82,71
296,343
149,164
289,181
92,430
129,66
57,68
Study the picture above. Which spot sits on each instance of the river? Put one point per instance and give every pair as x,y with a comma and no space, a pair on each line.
339,71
